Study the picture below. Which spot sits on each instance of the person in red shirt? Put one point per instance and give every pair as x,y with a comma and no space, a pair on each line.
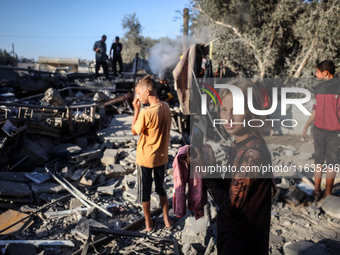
326,127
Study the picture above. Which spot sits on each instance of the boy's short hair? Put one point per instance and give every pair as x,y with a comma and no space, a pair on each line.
148,82
117,37
326,65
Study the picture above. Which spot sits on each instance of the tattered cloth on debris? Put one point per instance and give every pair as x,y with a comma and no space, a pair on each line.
183,77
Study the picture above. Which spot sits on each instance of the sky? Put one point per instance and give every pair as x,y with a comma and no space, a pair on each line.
69,28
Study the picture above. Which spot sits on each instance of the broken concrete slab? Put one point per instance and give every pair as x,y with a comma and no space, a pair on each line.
64,213
130,195
89,178
114,171
15,189
14,176
85,157
78,174
109,157
195,231
304,248
129,181
82,228
65,150
130,168
108,189
331,206
132,157
47,187
37,177
118,130
188,249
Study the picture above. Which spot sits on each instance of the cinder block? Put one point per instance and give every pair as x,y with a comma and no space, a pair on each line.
109,157
114,171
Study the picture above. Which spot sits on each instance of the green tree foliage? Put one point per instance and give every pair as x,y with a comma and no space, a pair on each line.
6,59
133,41
271,38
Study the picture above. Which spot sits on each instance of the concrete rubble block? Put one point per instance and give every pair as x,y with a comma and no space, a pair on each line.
130,195
188,249
14,190
275,238
118,129
75,203
195,231
130,168
47,187
132,157
89,178
129,181
65,150
85,157
20,249
14,176
109,157
304,248
37,177
64,213
114,171
82,228
294,195
108,189
37,150
331,206
78,174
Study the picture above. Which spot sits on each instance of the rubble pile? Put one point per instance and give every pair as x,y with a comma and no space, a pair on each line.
68,182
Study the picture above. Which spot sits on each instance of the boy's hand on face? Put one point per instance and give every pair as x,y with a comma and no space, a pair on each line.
136,104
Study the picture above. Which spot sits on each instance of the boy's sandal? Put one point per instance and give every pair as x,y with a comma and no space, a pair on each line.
317,195
153,227
172,225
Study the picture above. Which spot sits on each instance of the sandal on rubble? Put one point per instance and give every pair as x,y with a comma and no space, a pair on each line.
317,195
153,227
172,225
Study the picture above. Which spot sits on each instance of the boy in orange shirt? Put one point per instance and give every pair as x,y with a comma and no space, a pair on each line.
153,124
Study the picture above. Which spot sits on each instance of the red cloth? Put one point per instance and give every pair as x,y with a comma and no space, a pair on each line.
197,192
265,97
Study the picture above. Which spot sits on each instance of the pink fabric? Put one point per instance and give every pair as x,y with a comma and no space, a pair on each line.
197,192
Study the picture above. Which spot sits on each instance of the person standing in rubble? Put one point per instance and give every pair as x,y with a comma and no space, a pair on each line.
101,58
116,49
326,127
153,124
243,197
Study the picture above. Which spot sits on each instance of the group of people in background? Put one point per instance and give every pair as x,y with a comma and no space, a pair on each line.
114,57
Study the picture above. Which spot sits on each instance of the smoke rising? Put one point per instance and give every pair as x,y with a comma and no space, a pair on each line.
166,53
163,55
